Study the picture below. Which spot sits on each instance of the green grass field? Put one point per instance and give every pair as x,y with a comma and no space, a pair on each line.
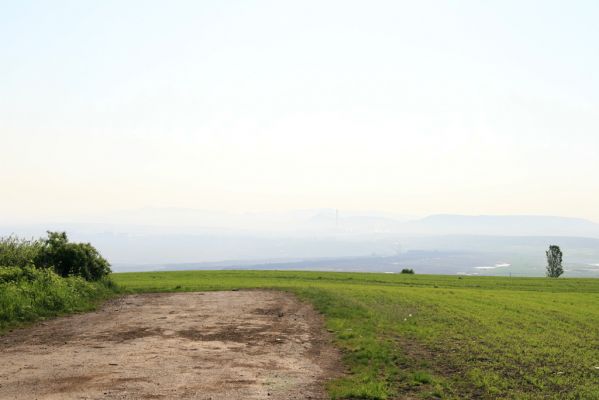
426,336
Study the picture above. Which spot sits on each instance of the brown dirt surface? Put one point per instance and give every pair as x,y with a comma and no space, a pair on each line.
211,345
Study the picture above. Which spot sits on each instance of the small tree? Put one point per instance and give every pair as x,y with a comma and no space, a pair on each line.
407,271
554,262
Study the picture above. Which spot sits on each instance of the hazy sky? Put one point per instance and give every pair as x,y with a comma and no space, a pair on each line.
412,107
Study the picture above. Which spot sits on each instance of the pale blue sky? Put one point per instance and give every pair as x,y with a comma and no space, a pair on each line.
412,107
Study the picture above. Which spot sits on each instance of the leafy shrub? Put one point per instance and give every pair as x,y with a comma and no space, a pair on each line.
41,278
10,274
18,252
17,274
71,259
28,293
407,271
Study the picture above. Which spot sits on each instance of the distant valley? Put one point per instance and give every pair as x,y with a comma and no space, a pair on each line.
165,239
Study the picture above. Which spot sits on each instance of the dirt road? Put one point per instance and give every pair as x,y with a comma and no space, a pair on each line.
213,345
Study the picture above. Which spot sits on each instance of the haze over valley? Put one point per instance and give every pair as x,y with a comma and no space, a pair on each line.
328,239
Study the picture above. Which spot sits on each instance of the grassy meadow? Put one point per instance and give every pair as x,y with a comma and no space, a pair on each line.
427,336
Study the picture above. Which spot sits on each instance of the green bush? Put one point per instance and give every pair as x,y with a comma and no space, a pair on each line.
17,274
19,252
54,252
71,259
27,294
42,278
407,271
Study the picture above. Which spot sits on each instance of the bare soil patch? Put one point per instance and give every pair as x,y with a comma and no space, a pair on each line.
212,345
